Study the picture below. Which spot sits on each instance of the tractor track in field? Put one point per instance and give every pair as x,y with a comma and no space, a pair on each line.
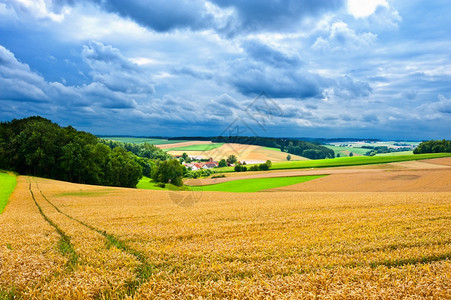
65,245
143,272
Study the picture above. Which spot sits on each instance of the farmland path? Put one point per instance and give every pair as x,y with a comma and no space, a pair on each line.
98,250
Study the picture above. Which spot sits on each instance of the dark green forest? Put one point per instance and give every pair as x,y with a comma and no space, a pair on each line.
36,146
439,146
302,148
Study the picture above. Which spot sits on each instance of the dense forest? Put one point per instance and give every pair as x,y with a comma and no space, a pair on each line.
302,148
443,146
36,146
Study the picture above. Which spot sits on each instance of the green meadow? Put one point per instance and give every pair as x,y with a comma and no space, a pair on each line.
257,184
7,184
145,183
343,150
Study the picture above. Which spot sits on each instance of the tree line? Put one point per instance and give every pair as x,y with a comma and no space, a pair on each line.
432,146
36,146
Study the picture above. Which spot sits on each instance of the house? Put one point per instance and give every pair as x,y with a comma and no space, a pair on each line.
209,165
193,166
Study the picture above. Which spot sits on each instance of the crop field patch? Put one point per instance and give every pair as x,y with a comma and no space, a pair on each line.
257,184
138,243
249,153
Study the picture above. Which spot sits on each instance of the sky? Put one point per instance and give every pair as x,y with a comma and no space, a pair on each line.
281,68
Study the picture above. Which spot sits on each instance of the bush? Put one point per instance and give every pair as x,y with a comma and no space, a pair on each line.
218,176
263,167
253,168
240,168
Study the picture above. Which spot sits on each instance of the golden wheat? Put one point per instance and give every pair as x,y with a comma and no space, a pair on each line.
254,245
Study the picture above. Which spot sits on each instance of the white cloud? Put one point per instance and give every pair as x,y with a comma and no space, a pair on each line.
364,8
341,37
41,9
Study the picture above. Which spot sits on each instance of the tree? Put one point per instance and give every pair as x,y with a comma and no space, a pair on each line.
288,157
232,159
186,157
351,154
168,171
222,163
268,163
433,147
36,146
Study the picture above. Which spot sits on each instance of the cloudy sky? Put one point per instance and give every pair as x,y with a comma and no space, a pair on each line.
301,68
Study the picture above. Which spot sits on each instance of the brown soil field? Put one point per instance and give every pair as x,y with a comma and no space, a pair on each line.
247,153
445,161
183,144
389,181
62,240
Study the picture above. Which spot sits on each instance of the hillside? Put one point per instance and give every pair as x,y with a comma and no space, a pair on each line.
61,240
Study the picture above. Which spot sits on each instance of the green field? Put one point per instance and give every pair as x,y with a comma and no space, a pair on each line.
338,149
257,184
7,185
395,153
138,140
201,147
145,183
346,161
271,148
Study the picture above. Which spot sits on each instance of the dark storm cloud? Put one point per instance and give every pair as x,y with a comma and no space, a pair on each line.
113,70
167,67
347,87
261,52
259,15
162,15
252,80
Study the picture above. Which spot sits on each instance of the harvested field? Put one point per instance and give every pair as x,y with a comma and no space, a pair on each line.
62,240
248,153
445,161
393,181
182,144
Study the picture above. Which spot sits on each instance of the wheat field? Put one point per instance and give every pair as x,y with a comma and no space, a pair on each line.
63,240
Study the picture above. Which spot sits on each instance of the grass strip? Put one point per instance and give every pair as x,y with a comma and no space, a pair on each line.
346,161
64,244
257,184
8,183
143,272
